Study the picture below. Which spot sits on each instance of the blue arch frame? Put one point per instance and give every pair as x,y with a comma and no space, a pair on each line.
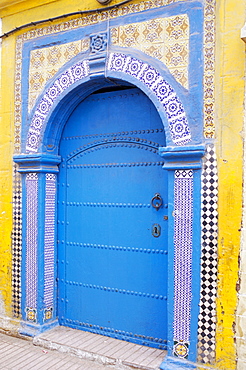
86,74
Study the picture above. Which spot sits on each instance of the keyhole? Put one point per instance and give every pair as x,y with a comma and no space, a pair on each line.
156,230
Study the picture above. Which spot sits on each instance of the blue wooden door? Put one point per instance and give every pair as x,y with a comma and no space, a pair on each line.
112,247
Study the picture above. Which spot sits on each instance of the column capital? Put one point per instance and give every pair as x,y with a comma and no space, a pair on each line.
185,157
47,163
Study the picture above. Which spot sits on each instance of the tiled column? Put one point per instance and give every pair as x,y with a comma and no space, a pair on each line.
184,209
39,241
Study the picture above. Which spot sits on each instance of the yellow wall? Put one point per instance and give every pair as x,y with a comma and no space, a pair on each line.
230,72
31,11
6,139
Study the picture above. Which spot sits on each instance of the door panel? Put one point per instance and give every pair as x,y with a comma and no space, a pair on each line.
112,270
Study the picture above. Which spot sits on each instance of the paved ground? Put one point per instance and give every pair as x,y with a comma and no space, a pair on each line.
16,353
106,350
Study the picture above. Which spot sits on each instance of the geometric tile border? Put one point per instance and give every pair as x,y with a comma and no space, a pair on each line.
183,225
49,244
31,245
209,68
209,225
16,243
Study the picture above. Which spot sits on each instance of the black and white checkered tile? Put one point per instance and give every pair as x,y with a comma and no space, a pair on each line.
16,244
209,223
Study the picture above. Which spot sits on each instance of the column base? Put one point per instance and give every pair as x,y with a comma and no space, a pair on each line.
31,330
174,363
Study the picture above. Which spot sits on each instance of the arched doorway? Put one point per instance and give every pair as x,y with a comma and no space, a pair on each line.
112,219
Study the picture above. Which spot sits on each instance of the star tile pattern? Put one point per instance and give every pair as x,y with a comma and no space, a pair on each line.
183,224
209,220
166,39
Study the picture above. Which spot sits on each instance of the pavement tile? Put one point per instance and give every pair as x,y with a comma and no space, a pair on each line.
19,354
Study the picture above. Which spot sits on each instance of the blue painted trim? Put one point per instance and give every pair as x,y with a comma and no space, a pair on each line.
61,252
170,299
196,261
37,162
173,363
55,253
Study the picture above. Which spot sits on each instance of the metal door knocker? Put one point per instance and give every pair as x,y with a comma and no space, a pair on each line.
156,201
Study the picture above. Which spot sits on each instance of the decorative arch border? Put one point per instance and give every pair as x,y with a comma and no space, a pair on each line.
146,74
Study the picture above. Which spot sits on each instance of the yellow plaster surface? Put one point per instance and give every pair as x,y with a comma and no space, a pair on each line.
6,140
31,10
229,95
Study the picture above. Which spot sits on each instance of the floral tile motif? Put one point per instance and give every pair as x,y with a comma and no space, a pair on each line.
46,62
166,39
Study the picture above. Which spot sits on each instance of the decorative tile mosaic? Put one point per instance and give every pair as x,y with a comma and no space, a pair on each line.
31,244
48,313
16,243
166,39
73,74
98,42
31,314
183,223
209,220
18,99
46,62
209,14
149,76
178,124
49,243
209,68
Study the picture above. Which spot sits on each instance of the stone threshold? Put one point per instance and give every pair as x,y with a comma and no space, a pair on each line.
104,350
